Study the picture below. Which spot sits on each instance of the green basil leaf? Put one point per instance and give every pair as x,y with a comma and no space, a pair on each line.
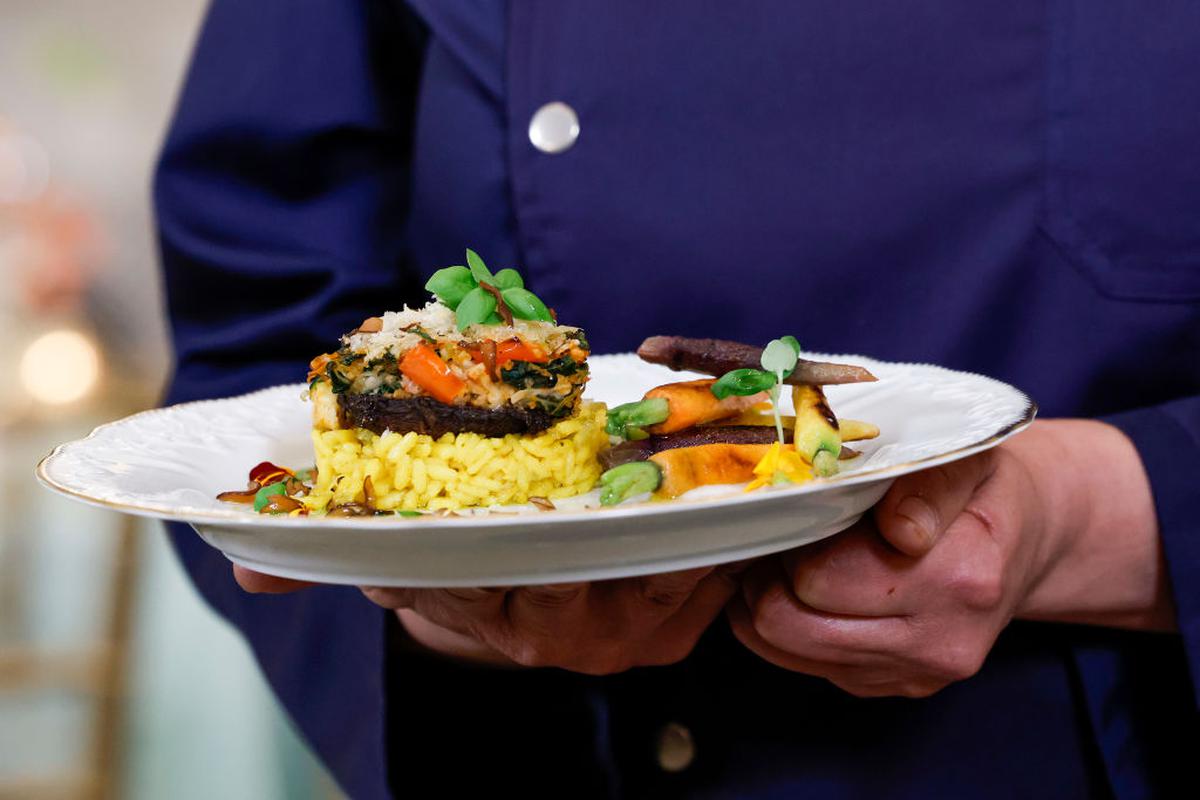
451,285
404,512
778,356
524,304
742,382
479,270
475,308
508,279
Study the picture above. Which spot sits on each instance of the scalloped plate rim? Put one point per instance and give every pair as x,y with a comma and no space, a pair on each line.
239,518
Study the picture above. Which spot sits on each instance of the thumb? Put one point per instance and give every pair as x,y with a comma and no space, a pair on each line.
918,508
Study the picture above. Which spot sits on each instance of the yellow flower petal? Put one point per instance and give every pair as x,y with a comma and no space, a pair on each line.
769,462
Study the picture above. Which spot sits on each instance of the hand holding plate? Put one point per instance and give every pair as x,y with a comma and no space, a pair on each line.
595,628
1057,524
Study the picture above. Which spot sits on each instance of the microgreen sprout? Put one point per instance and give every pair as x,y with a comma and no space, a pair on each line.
778,359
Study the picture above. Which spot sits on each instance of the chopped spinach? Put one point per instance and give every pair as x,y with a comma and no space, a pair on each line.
386,360
386,388
337,380
419,331
564,366
553,404
526,375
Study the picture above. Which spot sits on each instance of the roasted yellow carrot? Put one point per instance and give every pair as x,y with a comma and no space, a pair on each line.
693,403
854,430
851,430
685,468
754,416
816,435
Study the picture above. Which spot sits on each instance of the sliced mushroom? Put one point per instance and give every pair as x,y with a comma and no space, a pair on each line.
542,503
280,504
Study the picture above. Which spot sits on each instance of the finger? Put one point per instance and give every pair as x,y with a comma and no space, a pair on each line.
551,611
919,507
260,583
741,622
450,643
668,591
389,597
783,621
478,612
855,573
857,680
679,634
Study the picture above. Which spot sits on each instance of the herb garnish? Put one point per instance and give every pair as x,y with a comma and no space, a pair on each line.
478,297
778,360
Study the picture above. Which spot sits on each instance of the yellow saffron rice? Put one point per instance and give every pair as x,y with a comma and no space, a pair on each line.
412,471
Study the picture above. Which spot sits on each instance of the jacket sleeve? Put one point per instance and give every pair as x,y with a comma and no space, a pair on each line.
1168,439
281,199
1140,688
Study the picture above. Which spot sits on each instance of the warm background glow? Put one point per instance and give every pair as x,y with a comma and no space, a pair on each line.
60,367
116,680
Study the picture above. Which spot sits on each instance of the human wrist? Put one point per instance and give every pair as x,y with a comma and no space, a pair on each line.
1059,512
1100,558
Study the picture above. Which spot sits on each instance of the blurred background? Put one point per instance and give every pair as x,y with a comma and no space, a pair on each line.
115,679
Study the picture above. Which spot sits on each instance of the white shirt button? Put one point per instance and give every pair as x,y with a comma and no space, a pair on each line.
676,750
554,127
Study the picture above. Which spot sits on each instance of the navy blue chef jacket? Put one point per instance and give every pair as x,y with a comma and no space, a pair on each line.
1006,187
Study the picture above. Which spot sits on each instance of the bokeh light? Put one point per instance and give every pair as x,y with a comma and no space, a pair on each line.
60,367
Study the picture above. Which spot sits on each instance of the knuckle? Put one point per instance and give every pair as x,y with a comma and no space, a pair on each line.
672,589
551,596
979,587
663,595
529,654
470,595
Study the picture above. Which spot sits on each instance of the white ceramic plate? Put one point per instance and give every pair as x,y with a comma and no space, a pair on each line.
170,463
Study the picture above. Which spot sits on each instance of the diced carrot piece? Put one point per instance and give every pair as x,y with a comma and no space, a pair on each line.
513,349
424,367
519,350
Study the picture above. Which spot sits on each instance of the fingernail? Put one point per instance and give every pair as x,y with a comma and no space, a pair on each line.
917,511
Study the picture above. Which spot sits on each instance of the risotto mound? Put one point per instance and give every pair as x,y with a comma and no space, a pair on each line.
411,471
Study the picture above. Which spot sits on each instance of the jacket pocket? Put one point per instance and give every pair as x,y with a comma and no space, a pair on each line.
1123,145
